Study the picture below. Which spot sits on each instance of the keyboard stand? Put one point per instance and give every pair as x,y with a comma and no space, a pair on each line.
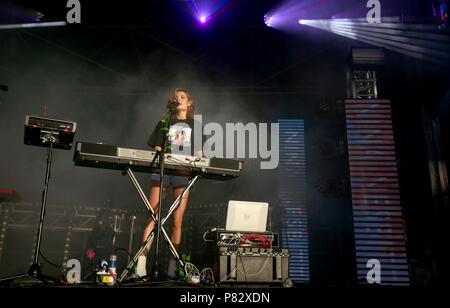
172,208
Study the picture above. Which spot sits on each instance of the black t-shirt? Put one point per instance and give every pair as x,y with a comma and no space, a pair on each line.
181,136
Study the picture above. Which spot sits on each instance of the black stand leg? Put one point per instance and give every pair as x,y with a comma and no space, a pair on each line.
155,269
152,234
35,269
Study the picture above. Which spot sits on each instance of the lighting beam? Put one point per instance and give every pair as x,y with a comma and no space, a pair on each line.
34,25
435,48
422,41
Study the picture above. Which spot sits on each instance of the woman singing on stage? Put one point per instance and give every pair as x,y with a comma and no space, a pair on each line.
181,140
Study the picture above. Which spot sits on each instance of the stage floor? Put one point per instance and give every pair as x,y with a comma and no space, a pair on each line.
33,282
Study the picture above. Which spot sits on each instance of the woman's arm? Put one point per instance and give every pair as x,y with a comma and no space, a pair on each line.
159,149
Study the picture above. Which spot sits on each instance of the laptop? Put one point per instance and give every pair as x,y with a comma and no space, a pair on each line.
246,216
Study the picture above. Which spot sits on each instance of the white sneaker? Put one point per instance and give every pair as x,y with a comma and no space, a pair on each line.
141,267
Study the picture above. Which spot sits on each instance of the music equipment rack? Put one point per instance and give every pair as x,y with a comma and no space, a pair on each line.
225,238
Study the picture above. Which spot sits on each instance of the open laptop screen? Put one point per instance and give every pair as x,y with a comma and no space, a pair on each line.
247,216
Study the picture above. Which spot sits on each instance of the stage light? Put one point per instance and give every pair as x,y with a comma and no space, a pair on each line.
268,20
203,11
286,14
368,57
302,22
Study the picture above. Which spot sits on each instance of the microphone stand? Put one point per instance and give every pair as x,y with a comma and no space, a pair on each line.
166,124
35,269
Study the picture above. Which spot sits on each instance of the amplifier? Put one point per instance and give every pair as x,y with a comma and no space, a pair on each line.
252,265
224,238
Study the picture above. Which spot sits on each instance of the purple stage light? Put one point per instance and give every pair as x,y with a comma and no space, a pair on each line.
286,15
268,20
203,11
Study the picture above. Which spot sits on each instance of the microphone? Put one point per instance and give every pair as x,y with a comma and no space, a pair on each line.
174,103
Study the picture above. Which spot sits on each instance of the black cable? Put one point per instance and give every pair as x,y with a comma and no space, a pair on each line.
122,249
245,274
51,263
91,270
179,161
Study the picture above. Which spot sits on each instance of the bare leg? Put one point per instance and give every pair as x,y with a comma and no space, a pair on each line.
177,220
154,202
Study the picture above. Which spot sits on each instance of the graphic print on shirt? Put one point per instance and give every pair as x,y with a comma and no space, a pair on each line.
180,135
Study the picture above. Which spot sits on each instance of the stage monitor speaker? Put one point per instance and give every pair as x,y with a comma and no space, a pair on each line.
243,265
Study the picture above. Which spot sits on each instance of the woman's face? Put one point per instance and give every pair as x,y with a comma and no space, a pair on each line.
182,98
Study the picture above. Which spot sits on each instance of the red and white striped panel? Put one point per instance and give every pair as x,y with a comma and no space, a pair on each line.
377,210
